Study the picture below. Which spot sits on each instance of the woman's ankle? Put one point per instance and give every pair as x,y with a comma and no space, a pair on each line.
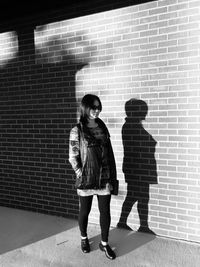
104,243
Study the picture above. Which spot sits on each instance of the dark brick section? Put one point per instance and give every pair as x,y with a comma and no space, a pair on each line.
38,108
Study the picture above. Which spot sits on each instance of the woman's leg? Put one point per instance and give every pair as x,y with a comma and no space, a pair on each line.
104,209
105,218
85,207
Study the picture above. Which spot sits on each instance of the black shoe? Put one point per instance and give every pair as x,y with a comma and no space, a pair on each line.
85,246
110,254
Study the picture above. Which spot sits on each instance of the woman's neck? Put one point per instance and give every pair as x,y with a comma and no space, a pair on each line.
92,123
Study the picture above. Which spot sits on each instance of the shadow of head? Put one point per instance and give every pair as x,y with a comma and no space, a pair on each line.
136,109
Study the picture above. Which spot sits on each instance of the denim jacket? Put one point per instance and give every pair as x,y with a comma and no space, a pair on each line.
78,152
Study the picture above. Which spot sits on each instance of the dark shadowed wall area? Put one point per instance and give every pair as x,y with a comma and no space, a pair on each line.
143,61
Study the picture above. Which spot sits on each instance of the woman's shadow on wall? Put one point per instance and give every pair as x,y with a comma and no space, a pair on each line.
139,164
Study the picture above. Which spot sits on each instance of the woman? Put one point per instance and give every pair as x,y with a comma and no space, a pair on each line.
92,159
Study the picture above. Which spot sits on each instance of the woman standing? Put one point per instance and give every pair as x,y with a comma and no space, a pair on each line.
92,159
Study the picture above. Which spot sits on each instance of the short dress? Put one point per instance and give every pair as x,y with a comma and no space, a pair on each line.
97,156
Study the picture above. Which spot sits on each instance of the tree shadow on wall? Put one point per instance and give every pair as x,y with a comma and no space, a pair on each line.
38,108
139,164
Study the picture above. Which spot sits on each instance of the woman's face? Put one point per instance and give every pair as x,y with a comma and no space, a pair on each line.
95,110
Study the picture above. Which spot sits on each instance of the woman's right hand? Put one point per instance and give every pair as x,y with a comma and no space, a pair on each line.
78,173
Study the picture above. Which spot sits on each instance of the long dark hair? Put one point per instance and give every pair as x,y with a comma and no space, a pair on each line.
86,105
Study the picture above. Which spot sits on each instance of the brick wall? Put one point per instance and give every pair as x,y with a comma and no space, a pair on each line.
149,52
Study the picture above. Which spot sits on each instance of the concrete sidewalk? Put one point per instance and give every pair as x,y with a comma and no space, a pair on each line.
30,239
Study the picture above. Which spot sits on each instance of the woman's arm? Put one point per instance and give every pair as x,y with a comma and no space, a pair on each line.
112,162
74,151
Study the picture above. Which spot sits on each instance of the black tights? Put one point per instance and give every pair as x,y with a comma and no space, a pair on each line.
104,209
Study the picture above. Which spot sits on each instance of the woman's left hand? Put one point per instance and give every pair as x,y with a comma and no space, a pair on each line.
109,186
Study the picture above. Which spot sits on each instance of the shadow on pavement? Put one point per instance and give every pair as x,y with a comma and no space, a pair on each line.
123,241
20,228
